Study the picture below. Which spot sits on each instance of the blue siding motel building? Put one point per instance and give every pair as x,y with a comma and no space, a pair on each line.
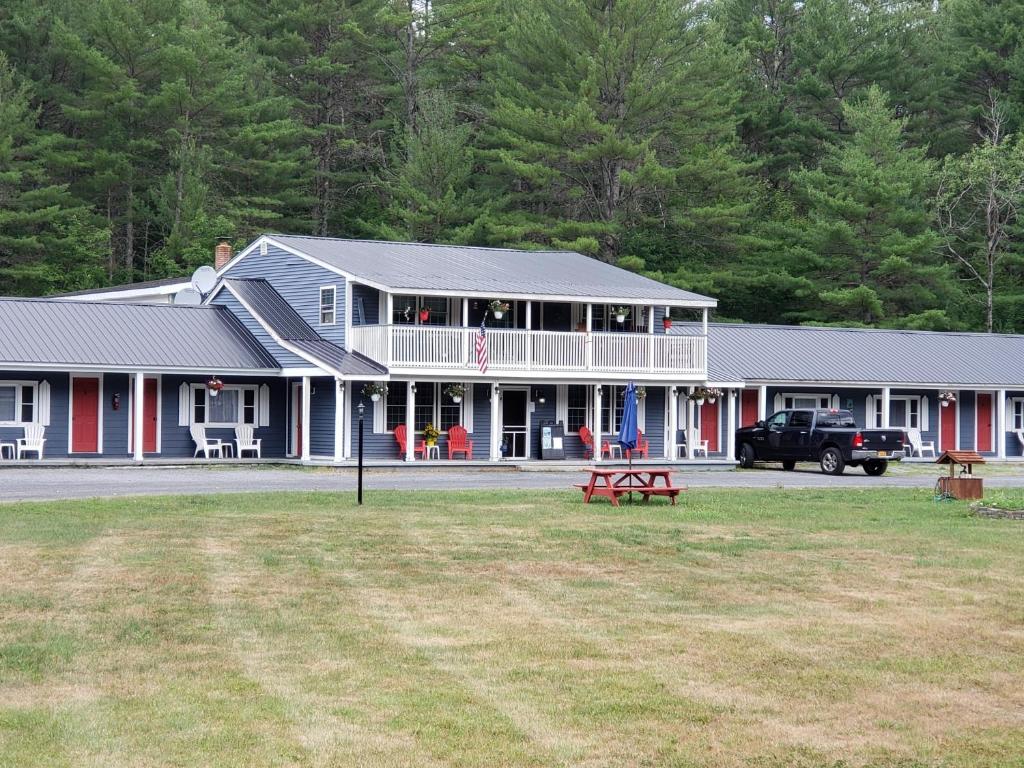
295,328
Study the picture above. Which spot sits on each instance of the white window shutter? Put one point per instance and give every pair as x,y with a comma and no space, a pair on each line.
264,402
467,408
1009,425
835,402
869,412
780,403
641,415
379,412
562,403
183,405
924,413
44,403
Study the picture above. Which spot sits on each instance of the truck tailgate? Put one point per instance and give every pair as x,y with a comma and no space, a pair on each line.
887,440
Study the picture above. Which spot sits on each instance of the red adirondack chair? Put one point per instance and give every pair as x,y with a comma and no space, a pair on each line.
587,438
457,442
420,447
642,446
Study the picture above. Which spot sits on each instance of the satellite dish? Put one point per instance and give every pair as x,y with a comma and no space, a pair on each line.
204,279
188,297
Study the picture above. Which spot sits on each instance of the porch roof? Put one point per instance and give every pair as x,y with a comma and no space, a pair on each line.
491,272
861,356
57,334
282,321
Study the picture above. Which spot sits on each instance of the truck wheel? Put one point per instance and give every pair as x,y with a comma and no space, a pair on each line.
876,467
832,462
747,456
789,464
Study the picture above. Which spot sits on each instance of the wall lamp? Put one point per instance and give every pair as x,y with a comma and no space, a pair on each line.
539,396
115,401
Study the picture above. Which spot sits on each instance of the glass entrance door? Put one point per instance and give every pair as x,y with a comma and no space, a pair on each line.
513,423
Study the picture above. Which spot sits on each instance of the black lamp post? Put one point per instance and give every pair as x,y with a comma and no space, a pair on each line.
360,408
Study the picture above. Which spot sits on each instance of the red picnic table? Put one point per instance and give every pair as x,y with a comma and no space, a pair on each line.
617,482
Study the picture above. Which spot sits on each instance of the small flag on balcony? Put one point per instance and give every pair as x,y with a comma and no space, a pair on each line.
481,348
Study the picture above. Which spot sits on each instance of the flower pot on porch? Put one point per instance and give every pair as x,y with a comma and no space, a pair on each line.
711,400
666,323
456,398
620,318
374,397
498,314
945,403
431,443
699,401
424,315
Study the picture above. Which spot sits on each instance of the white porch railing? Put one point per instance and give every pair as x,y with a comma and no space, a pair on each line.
454,348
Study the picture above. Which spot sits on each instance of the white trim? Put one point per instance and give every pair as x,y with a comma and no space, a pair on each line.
133,293
340,405
184,404
99,414
780,400
263,406
730,433
562,404
88,369
348,311
137,412
495,401
348,419
19,399
528,413
1001,424
320,305
307,399
294,408
467,408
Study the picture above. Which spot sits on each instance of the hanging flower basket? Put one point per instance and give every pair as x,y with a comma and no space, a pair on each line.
946,398
424,315
375,390
666,322
498,308
621,313
702,394
456,392
214,385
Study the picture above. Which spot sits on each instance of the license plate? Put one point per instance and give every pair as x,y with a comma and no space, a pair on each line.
883,453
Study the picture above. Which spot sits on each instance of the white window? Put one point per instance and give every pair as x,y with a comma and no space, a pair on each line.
431,406
905,412
1016,413
18,401
789,401
328,301
233,406
424,310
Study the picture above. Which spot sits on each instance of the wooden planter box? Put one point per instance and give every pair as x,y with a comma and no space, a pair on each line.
961,487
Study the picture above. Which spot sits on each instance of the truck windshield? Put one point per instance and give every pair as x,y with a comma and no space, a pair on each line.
841,419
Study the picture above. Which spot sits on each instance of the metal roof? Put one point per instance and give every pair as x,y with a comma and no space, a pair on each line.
270,308
106,335
858,355
166,282
495,272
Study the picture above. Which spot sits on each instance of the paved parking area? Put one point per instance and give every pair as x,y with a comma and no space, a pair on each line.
51,483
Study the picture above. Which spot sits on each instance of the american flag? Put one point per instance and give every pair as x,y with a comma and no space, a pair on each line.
481,348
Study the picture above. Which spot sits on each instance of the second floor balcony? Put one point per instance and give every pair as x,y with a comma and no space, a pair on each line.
517,353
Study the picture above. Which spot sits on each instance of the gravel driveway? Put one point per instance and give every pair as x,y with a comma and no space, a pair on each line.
49,483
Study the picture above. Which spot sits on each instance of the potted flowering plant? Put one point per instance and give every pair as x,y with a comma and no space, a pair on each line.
424,314
666,322
375,390
215,385
430,434
712,394
621,313
498,308
456,392
946,398
641,393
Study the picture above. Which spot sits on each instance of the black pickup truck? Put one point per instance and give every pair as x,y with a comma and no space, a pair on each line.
829,437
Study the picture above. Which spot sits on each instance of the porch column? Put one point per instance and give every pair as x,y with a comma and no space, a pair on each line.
529,315
597,422
465,313
885,407
495,422
389,333
138,402
348,419
704,322
410,421
762,403
1001,424
730,425
340,406
691,436
306,400
673,423
590,317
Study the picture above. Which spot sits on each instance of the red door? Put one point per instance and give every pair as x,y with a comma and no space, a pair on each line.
149,419
748,407
947,428
85,416
983,422
709,425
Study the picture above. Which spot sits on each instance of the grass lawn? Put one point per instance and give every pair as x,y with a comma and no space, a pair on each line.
761,628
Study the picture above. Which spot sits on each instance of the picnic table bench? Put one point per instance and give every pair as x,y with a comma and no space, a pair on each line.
613,483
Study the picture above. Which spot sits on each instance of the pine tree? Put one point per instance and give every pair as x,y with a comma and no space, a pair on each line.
868,226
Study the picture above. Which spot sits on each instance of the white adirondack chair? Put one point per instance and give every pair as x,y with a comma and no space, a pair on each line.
917,445
33,441
207,445
245,441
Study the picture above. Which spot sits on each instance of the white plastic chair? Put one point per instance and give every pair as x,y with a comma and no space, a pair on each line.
245,442
917,445
699,446
33,441
205,444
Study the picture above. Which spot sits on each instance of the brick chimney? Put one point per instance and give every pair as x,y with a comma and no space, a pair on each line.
221,254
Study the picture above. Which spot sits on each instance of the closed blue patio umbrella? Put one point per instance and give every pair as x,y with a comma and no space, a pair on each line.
627,428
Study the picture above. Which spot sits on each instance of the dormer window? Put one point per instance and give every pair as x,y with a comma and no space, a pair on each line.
328,298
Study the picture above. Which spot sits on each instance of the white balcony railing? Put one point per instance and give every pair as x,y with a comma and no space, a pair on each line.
453,348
